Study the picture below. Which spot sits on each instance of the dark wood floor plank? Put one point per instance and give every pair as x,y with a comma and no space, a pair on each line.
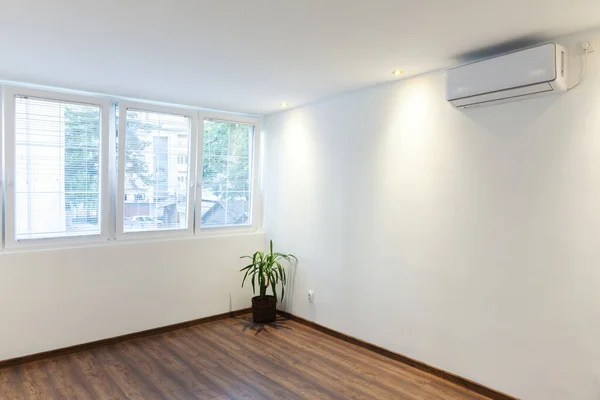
36,383
358,373
231,376
225,360
192,380
164,380
380,366
349,376
99,383
10,385
312,354
245,364
209,351
65,383
127,378
331,385
292,380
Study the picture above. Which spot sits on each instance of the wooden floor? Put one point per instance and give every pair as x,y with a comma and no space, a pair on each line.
227,359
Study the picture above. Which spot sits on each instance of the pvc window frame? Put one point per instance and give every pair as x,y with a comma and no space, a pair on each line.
9,121
120,234
256,204
2,170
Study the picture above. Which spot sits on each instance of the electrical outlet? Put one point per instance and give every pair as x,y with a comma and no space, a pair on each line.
589,45
311,296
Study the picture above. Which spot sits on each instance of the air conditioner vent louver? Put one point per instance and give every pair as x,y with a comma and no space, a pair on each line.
524,74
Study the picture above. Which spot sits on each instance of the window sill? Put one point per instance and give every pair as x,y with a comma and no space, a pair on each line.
226,232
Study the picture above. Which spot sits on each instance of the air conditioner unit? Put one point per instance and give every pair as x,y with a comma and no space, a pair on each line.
533,72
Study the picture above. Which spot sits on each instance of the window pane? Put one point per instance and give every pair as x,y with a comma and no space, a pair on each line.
156,178
226,174
57,156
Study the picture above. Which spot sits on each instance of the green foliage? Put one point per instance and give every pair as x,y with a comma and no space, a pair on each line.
225,166
82,158
137,173
82,163
266,271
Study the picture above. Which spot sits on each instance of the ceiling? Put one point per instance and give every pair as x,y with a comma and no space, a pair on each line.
250,55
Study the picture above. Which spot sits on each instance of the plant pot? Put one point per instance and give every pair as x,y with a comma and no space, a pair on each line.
264,311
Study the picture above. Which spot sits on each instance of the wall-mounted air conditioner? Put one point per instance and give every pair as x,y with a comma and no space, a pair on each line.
533,72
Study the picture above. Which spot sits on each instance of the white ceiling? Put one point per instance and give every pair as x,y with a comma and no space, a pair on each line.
250,55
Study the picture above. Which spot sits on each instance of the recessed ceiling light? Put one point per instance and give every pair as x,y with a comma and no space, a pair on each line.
397,72
284,105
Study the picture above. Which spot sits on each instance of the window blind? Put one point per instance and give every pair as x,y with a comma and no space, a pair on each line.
226,174
156,176
57,161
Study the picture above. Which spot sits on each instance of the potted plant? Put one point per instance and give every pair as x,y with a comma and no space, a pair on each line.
266,272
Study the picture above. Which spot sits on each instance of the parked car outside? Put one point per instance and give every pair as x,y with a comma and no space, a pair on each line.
142,222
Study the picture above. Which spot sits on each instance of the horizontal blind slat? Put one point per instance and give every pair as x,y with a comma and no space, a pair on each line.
157,152
226,173
57,152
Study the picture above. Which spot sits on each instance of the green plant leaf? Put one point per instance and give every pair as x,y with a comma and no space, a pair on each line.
245,276
273,289
282,273
287,257
267,270
247,267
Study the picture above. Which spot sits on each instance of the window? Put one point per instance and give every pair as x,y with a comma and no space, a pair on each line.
55,166
153,137
226,174
2,177
80,168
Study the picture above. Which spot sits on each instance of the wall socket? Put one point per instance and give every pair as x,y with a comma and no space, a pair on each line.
311,296
589,45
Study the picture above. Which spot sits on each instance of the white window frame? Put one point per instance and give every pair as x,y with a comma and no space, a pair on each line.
10,94
120,234
256,204
2,170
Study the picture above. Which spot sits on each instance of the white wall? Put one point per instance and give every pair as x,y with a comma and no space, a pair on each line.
469,240
56,298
